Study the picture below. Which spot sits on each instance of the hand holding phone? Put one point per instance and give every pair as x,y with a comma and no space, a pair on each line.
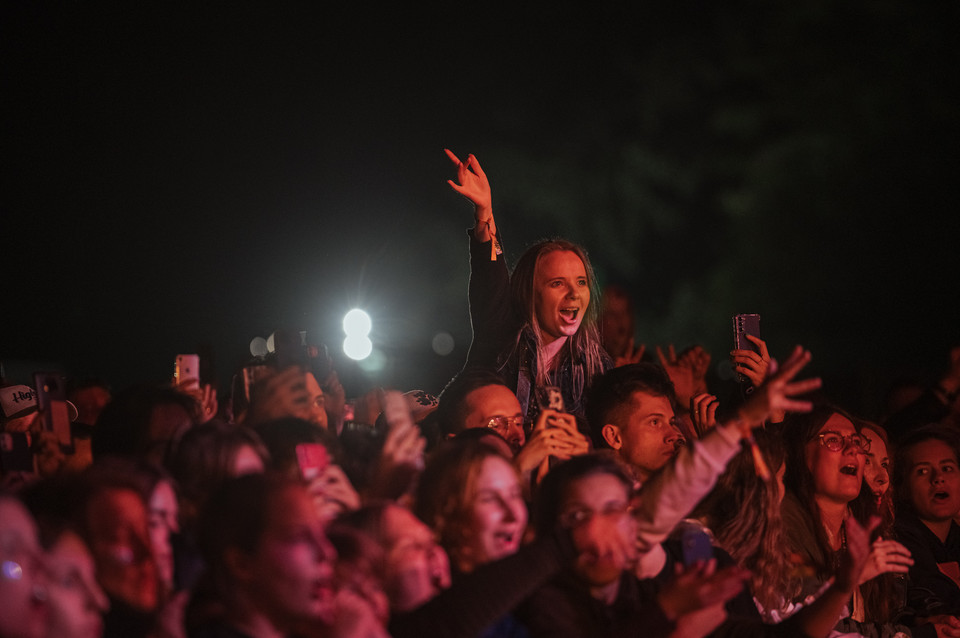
695,545
54,413
746,334
313,459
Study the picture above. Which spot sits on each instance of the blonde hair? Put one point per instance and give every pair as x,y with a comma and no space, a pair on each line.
584,348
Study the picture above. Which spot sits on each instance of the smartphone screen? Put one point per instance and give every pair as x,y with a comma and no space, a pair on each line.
550,398
187,368
312,459
695,545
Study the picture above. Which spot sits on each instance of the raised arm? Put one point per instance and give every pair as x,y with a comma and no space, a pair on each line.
490,311
673,492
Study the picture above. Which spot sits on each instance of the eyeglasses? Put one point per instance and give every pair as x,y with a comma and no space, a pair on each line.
502,424
836,442
581,515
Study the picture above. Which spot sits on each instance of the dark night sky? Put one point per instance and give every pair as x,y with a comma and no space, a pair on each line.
176,176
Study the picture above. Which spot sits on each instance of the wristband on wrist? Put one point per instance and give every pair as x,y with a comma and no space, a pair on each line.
495,248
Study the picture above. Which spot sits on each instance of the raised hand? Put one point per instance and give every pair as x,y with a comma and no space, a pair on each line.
854,561
752,365
206,397
703,412
700,586
555,434
698,360
333,493
472,183
885,556
632,355
403,445
777,392
335,398
684,383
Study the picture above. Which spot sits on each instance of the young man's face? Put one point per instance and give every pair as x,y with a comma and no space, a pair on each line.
933,480
648,438
597,510
496,401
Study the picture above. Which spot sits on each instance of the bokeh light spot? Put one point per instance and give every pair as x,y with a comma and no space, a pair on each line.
443,343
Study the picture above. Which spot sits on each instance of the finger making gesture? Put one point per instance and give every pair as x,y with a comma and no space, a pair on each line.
472,183
777,393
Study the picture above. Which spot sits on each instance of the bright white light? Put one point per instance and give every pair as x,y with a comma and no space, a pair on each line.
442,343
258,347
357,348
357,323
271,343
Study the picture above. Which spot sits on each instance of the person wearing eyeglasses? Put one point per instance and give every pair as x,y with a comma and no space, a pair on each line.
592,497
479,398
825,491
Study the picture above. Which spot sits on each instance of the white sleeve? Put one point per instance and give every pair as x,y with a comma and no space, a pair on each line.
670,494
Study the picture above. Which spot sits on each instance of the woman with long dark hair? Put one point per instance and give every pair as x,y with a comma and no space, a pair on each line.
825,488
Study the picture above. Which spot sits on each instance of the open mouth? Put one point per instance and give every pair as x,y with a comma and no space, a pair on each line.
941,497
506,538
322,590
849,470
570,314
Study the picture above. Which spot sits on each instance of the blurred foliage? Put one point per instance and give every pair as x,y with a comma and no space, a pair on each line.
756,157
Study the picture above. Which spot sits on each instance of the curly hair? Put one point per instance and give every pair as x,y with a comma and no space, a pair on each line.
743,511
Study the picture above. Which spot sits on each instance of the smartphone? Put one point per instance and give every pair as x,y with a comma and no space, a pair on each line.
312,459
187,367
52,402
15,453
744,325
550,398
695,545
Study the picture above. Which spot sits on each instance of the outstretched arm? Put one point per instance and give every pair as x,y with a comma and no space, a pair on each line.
671,494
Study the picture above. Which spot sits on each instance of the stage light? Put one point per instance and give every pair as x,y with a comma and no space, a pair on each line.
357,348
357,323
357,326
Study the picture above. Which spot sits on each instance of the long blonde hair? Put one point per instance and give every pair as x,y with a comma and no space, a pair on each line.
584,348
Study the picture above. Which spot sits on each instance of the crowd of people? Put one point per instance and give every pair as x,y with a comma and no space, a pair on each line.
564,483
